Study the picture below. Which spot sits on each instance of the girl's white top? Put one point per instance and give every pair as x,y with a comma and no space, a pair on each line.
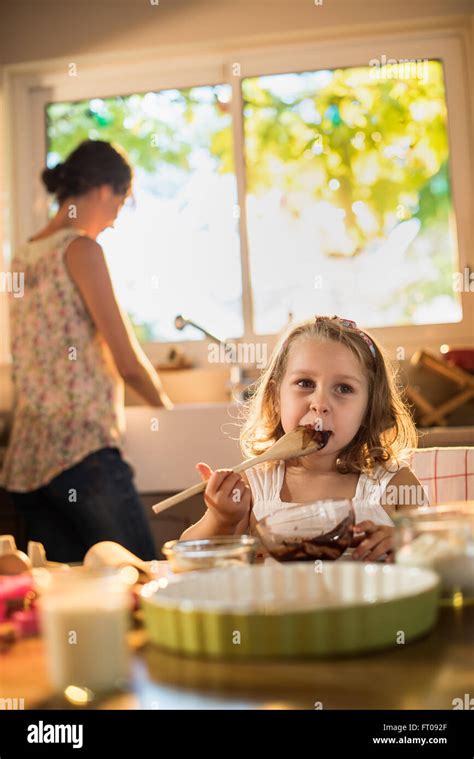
266,481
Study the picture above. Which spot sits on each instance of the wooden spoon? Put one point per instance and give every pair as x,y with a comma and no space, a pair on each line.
298,442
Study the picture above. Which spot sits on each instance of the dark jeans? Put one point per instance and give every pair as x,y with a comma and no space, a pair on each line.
92,501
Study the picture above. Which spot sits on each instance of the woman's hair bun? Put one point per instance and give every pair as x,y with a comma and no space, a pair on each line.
92,164
52,177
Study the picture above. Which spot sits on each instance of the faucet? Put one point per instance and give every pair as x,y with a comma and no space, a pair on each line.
237,385
180,323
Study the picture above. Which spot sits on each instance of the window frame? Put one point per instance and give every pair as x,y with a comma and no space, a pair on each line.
29,88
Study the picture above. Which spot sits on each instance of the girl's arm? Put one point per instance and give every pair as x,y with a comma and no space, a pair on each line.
209,526
243,527
219,518
403,490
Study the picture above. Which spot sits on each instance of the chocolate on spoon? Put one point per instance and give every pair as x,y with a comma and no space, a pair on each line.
312,435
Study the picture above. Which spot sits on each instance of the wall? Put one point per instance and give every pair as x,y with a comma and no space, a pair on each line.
33,30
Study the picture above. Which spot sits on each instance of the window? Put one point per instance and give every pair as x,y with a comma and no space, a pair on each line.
349,183
349,206
176,248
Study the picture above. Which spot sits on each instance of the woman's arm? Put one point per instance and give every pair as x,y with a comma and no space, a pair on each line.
88,269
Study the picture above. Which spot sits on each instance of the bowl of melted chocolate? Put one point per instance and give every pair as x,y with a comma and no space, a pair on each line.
309,531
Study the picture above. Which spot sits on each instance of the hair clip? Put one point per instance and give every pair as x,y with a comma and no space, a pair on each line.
350,325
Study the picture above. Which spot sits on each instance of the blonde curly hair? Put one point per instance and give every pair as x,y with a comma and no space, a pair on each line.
387,433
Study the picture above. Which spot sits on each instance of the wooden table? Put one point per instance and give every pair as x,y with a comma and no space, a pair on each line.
425,674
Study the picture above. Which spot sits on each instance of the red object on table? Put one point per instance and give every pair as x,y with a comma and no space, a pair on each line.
461,357
13,588
26,622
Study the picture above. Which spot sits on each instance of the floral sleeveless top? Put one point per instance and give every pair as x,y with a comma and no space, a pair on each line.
69,396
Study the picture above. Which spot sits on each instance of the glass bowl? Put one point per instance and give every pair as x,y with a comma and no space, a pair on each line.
309,531
441,538
220,551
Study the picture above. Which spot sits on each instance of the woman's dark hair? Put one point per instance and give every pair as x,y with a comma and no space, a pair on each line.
92,164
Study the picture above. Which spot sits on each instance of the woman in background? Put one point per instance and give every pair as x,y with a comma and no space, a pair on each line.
72,350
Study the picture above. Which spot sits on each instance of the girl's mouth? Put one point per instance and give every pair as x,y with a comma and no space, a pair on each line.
321,437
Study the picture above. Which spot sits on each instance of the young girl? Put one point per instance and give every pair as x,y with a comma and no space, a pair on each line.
327,373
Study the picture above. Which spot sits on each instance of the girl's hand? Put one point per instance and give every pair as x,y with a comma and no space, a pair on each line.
226,495
377,541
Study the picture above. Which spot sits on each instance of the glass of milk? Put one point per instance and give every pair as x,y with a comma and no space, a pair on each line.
84,621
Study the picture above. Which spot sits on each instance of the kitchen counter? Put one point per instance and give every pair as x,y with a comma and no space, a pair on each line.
425,674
